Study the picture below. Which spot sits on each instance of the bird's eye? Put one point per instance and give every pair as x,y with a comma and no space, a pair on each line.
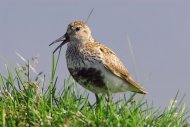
77,28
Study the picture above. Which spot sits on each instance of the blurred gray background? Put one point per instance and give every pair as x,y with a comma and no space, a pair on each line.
159,31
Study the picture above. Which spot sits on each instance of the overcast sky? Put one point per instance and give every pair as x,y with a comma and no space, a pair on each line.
159,31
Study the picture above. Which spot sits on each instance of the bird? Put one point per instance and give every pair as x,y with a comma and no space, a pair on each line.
93,65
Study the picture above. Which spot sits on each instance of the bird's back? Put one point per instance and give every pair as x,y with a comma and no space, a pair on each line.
96,60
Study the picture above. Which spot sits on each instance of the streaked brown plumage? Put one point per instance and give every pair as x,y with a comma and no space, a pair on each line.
93,65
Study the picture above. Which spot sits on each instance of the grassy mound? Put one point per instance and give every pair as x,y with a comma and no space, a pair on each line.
25,102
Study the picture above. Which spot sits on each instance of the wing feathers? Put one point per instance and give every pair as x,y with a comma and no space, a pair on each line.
114,65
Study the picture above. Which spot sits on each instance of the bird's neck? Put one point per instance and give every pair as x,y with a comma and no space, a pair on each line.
80,43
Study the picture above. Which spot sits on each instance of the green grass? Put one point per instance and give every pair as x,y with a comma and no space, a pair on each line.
24,101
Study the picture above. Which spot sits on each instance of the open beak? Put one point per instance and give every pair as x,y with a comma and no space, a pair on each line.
63,39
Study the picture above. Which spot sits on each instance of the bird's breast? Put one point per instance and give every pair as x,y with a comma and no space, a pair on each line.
73,57
77,58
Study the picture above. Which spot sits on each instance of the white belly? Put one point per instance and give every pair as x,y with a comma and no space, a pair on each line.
114,83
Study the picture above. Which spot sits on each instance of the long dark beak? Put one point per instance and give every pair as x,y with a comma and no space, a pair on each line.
64,39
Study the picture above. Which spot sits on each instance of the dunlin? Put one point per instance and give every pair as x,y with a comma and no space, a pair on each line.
93,65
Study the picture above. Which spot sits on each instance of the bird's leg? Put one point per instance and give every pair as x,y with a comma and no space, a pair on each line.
89,101
97,98
109,97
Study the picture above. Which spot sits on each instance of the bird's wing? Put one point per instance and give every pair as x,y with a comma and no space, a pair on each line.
115,66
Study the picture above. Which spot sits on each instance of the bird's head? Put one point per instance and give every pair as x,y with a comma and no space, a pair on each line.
77,32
